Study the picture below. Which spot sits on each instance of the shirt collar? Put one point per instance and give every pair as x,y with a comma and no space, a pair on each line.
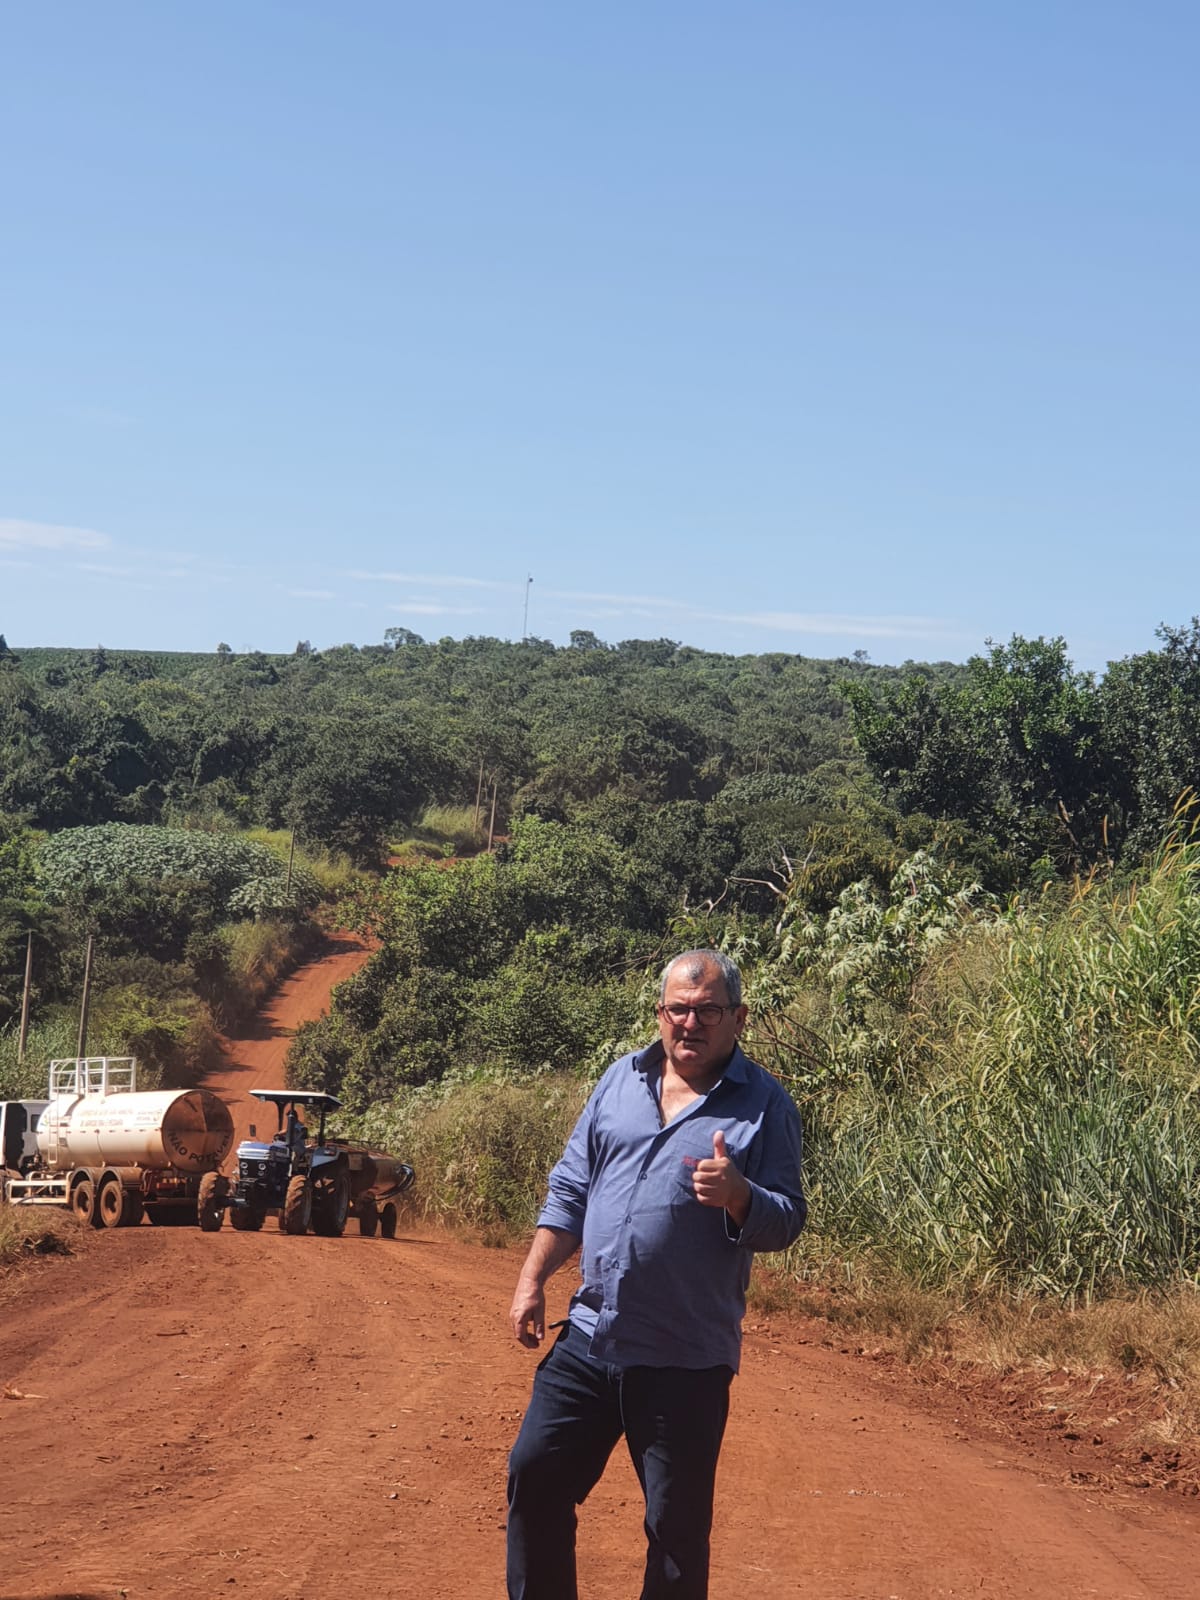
651,1058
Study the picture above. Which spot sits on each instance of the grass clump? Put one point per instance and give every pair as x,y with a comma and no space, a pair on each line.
27,1232
334,873
442,831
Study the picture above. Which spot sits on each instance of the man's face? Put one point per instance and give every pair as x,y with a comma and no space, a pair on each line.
698,1052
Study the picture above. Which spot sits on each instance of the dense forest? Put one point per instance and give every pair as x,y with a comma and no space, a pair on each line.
963,896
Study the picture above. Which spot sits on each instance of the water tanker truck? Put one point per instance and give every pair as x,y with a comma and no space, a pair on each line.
110,1152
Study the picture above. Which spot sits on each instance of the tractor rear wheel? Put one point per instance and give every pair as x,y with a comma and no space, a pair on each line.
210,1202
368,1216
331,1206
297,1205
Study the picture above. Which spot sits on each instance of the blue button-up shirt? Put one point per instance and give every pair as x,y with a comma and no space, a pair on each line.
663,1278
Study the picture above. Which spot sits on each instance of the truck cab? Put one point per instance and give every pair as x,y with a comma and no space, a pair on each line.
18,1136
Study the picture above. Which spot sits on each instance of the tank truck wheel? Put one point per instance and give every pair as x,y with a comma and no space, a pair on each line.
110,1203
83,1201
210,1208
333,1207
368,1216
246,1219
387,1221
297,1205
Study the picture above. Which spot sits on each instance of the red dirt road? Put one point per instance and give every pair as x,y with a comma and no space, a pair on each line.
301,1419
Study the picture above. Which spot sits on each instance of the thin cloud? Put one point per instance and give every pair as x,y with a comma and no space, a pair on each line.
134,574
434,580
311,594
652,602
428,608
825,622
18,535
822,623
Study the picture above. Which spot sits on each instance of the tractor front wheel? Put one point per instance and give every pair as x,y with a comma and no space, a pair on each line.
246,1219
387,1221
368,1216
210,1202
297,1205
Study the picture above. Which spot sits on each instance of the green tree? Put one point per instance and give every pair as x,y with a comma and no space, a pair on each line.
1015,751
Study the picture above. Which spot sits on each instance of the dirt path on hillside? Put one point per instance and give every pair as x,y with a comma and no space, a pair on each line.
254,1059
301,1419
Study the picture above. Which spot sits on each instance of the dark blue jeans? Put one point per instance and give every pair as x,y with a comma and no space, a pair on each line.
673,1420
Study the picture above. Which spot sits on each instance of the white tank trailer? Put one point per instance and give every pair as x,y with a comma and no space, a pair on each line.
109,1152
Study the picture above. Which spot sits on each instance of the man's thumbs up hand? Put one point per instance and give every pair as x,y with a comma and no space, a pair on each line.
716,1181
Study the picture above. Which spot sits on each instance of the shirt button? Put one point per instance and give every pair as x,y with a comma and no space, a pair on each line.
628,1219
642,1177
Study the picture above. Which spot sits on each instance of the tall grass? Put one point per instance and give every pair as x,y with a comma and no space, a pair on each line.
1041,1132
1071,1194
257,956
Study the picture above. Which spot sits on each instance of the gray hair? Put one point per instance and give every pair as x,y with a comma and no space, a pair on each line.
696,963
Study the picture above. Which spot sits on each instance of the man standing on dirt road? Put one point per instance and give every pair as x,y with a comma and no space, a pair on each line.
685,1161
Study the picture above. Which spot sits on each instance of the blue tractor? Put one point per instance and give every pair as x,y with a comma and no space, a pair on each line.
307,1182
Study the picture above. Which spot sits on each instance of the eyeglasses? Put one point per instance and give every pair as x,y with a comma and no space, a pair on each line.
706,1016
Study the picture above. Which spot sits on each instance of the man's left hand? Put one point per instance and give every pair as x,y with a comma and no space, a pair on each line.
717,1182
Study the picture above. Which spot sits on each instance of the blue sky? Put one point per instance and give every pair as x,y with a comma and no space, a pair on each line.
775,327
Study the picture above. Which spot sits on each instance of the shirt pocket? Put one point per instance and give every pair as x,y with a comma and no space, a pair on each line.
687,1159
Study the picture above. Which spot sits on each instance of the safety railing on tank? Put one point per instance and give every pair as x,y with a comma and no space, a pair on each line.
93,1075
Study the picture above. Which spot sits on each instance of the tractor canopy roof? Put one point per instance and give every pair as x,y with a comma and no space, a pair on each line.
298,1097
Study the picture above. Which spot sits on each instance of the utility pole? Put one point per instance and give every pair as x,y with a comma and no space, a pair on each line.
81,1047
478,801
287,888
525,618
492,823
24,1034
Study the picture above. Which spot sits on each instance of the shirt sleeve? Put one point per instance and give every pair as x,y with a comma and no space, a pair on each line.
570,1178
777,1205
